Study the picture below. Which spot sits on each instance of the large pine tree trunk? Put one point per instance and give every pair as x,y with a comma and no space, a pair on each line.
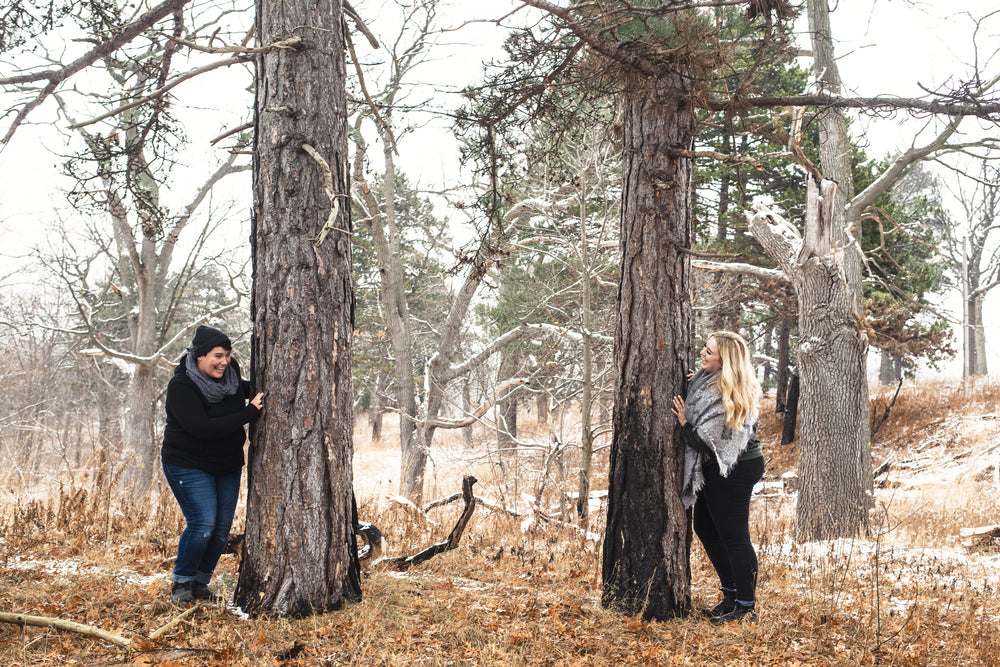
646,566
300,555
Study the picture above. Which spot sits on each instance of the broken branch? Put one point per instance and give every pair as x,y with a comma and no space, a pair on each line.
63,624
403,563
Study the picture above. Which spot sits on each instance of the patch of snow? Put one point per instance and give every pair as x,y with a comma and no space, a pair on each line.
236,611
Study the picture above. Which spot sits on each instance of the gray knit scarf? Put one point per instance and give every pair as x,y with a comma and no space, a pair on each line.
213,390
705,411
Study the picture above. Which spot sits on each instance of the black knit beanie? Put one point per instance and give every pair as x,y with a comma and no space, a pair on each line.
206,339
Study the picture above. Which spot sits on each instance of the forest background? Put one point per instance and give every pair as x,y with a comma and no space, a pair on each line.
68,303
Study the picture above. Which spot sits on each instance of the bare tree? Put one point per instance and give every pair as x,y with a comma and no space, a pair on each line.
130,311
972,254
405,53
832,341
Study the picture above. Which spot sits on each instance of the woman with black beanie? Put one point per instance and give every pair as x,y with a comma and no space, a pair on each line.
202,455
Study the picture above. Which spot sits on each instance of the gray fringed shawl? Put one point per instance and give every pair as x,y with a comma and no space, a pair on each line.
213,390
706,413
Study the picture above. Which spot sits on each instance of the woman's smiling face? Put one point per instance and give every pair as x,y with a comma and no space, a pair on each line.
215,363
711,361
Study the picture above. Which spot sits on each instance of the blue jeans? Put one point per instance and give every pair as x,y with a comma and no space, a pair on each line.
208,502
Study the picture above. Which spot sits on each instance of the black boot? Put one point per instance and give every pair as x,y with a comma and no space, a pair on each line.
203,592
740,614
727,604
182,593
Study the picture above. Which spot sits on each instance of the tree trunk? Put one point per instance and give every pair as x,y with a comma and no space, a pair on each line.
587,379
376,409
646,567
507,427
300,555
834,455
397,315
890,368
781,382
722,228
768,371
137,432
791,417
467,435
975,337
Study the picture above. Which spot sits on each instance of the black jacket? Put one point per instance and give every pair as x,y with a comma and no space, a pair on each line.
203,435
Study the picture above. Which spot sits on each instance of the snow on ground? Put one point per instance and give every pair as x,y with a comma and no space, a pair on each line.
65,568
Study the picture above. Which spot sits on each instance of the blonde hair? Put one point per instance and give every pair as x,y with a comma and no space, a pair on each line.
737,382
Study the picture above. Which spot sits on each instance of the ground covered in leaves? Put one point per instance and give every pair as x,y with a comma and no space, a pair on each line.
525,589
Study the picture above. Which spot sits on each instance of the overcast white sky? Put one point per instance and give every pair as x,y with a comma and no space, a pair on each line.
885,47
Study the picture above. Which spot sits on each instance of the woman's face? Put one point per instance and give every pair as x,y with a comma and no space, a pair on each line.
711,361
214,363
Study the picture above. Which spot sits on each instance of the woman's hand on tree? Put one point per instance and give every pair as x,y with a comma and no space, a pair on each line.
678,410
258,401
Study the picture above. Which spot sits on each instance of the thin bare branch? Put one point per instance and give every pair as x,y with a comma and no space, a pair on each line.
160,91
57,76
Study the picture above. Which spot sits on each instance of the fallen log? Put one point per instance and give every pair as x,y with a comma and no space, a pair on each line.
980,538
403,563
63,624
980,531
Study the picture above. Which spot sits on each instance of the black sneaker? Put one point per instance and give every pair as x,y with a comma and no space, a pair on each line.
741,614
203,592
182,593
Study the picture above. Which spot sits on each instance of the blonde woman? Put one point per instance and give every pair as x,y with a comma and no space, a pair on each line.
722,462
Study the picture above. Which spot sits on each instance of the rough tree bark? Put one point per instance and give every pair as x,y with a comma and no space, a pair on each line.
834,454
300,555
835,470
646,566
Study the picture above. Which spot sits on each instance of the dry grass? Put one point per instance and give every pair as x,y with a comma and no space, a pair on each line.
514,593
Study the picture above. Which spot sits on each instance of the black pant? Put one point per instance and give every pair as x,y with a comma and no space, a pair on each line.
722,523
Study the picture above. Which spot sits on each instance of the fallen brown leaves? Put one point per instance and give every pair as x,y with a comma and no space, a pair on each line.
510,598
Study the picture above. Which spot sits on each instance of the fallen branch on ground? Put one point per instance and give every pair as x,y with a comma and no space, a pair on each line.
980,537
63,624
410,508
404,563
174,623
